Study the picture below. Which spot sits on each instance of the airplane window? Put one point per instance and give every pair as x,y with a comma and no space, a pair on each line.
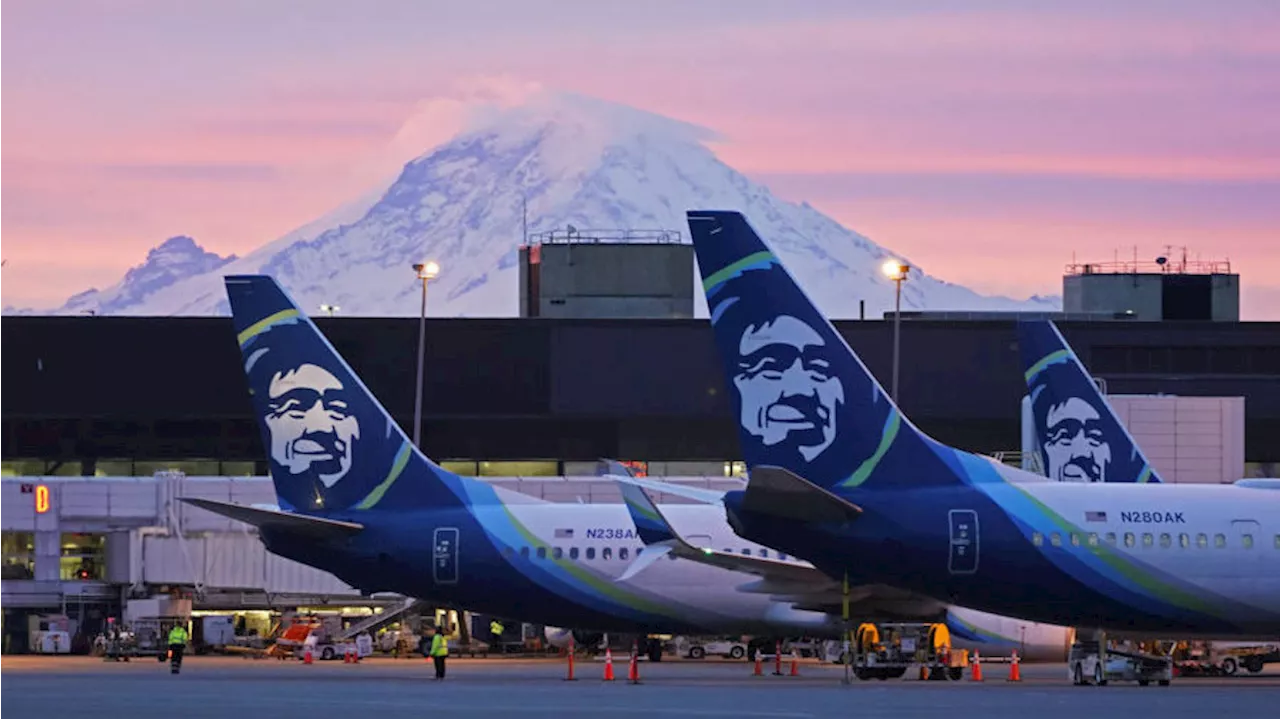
1075,539
1129,539
1055,539
524,552
1278,541
728,551
508,551
1165,539
1111,538
1184,540
542,552
557,553
746,552
573,552
764,553
591,552
783,557
1247,540
622,553
606,553
1219,540
1202,540
1037,538
1093,539
1148,539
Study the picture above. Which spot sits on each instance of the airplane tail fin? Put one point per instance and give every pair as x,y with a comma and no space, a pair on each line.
331,444
803,399
1078,435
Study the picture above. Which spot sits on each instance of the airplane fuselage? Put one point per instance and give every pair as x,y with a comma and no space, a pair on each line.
1166,560
558,564
554,564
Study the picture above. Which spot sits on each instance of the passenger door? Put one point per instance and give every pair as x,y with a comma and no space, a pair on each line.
444,556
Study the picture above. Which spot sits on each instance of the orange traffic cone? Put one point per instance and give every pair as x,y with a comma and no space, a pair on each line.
1015,674
795,665
759,671
306,655
608,664
633,675
777,659
975,668
924,673
570,678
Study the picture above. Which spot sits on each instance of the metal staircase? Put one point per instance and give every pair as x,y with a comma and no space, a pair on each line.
371,624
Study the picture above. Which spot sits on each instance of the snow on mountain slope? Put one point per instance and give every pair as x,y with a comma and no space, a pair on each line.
176,259
575,161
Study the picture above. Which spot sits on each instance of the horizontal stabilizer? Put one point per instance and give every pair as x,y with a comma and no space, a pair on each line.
656,532
612,469
283,521
780,493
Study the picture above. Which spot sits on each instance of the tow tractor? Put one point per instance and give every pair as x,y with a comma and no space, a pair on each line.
1223,658
1092,662
888,650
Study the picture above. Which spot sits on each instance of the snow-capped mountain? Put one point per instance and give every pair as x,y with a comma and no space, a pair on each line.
572,161
176,259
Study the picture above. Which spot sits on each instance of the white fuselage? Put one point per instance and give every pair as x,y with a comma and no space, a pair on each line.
602,538
1214,549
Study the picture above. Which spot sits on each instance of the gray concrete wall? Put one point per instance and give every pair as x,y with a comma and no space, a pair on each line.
1114,293
619,280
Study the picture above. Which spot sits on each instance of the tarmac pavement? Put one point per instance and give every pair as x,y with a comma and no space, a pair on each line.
42,687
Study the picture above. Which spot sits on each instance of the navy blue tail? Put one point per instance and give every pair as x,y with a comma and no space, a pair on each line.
331,445
1078,436
802,398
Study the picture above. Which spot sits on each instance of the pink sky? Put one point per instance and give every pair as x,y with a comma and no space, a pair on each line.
987,144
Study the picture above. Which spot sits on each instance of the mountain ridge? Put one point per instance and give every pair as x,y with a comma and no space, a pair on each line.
568,159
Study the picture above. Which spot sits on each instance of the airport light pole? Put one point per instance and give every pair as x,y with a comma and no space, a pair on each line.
330,309
897,271
426,271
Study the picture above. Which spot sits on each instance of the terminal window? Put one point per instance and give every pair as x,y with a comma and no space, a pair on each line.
83,557
19,555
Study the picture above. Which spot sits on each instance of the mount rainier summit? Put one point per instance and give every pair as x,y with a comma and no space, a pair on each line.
570,160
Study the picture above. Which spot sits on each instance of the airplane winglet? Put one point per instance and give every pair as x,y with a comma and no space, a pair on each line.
661,539
270,519
613,468
778,492
651,554
650,524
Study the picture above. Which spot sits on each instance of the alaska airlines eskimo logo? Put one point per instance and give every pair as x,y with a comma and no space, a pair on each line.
310,413
310,424
784,380
1071,437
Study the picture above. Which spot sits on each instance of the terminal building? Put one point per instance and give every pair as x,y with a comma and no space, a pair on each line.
107,419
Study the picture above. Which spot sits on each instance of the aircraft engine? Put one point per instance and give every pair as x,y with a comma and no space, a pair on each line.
1000,636
559,638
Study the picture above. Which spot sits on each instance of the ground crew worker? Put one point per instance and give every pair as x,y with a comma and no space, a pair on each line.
439,650
177,644
495,628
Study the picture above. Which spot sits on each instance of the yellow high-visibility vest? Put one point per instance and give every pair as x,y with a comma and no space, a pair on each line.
439,647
